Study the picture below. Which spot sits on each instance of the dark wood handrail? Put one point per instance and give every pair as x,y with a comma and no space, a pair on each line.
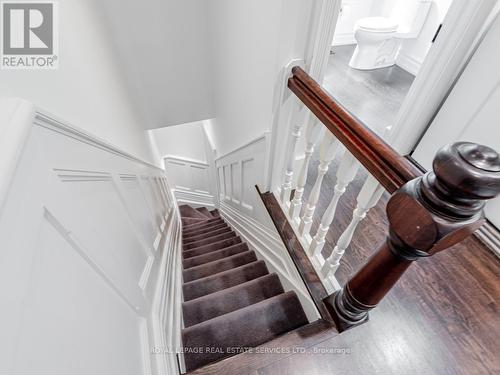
390,168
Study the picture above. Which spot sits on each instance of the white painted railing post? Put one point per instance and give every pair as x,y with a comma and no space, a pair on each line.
367,198
313,133
327,153
345,174
286,187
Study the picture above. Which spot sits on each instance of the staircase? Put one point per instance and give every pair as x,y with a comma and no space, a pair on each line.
231,301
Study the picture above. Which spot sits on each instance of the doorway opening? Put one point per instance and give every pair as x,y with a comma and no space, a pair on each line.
377,51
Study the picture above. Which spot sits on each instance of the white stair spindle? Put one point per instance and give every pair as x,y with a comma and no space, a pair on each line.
345,174
313,133
367,198
286,187
327,153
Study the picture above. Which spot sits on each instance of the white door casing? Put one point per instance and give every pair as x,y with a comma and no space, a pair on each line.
470,112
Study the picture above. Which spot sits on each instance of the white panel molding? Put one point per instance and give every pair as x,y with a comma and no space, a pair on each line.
191,181
63,189
145,346
193,198
50,122
240,170
146,272
66,175
269,247
184,160
243,146
71,239
166,307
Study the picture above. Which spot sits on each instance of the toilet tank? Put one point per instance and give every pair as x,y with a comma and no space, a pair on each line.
411,16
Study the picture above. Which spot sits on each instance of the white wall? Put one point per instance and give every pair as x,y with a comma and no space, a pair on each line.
164,50
86,90
351,12
85,231
244,44
183,141
184,150
251,42
414,51
470,113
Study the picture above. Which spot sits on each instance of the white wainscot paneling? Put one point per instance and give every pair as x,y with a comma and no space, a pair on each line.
238,172
191,181
79,264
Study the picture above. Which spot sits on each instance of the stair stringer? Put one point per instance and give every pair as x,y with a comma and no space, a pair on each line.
268,247
166,314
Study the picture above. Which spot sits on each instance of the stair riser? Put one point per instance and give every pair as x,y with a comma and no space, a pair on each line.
190,221
224,280
189,212
205,212
194,233
213,256
218,266
206,235
232,299
212,247
279,314
208,241
201,225
204,231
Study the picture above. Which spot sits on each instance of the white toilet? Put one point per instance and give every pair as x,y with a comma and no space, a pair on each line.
379,38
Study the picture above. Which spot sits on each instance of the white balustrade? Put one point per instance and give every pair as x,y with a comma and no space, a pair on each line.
367,198
314,130
345,174
286,187
327,152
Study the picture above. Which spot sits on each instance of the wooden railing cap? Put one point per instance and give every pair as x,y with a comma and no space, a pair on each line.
468,170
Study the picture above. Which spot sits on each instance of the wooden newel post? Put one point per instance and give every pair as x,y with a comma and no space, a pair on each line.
426,215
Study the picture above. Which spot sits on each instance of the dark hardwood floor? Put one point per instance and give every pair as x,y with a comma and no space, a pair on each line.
442,318
373,96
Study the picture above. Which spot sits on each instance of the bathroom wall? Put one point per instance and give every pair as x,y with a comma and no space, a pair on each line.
413,51
351,11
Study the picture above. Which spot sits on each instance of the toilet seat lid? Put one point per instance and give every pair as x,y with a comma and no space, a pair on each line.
377,24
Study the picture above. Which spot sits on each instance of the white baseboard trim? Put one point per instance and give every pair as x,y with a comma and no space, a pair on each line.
490,236
165,323
269,247
194,198
408,63
343,39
